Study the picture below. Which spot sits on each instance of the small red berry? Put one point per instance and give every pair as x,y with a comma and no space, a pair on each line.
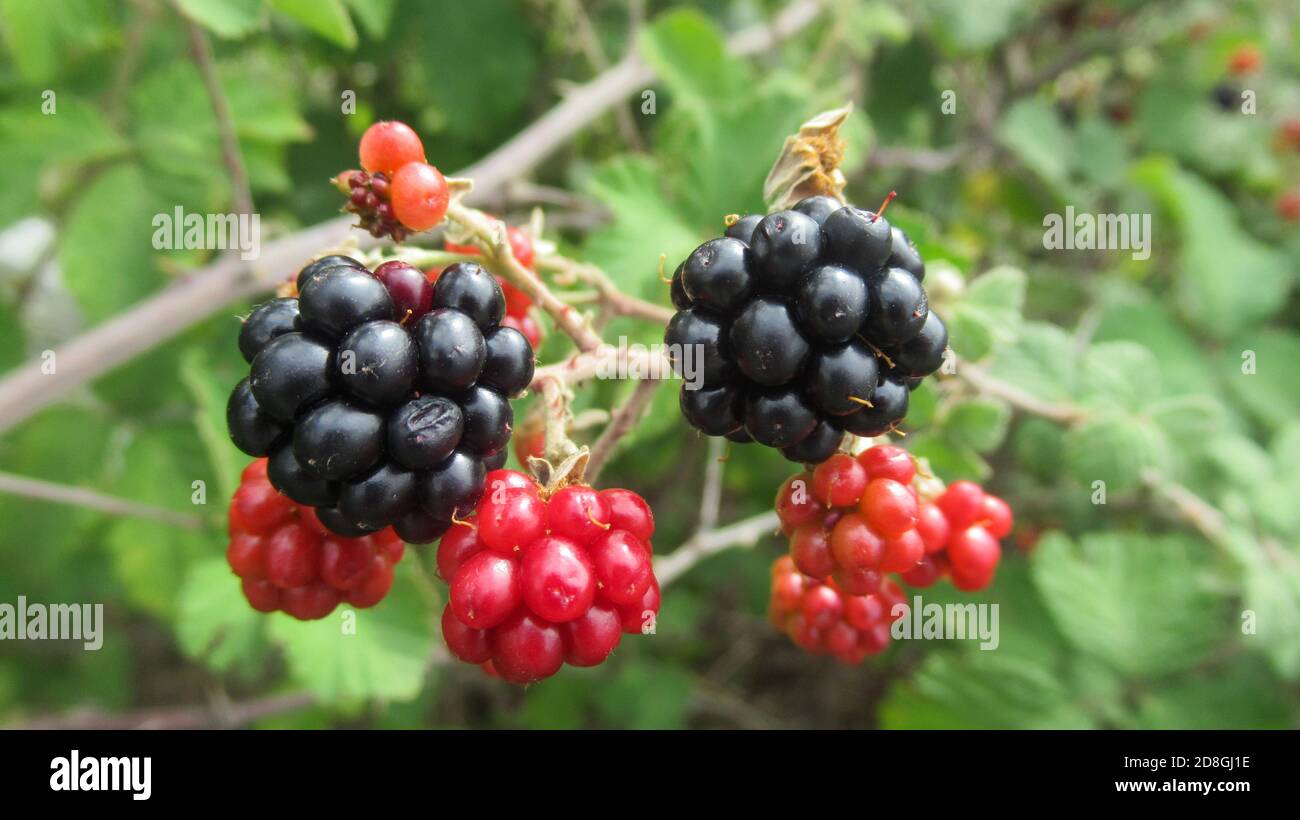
932,526
974,552
577,513
821,606
902,552
839,481
345,562
996,516
456,546
468,644
558,579
924,574
410,290
527,326
261,595
292,553
889,507
259,507
795,503
640,618
374,587
962,503
1245,60
419,196
854,544
511,519
628,511
887,461
857,581
246,555
521,245
387,146
309,602
622,564
485,590
811,550
590,638
527,648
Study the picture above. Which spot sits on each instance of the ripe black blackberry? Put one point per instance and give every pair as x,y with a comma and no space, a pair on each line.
368,419
809,323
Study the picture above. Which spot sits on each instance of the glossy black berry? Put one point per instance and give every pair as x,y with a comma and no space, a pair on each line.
510,361
252,430
740,436
418,527
288,476
1226,97
677,292
818,207
424,431
923,353
326,263
377,362
452,490
697,347
452,350
857,239
290,373
899,307
743,228
888,406
379,497
817,446
337,523
839,375
339,440
716,276
469,288
903,254
497,460
831,304
714,411
785,244
334,301
778,417
488,420
768,347
274,318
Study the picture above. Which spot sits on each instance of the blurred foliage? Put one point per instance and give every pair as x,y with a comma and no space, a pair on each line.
1114,615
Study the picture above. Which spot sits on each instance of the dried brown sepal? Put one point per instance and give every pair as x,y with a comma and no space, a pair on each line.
809,163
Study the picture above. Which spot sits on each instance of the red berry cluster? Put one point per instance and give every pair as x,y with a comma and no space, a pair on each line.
287,560
538,581
398,192
855,519
821,618
518,305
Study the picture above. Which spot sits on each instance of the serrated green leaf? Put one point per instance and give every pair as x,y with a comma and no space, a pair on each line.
948,459
690,56
1115,449
1041,362
1129,600
1032,130
385,658
1237,695
328,18
992,690
1272,596
225,18
214,623
375,15
1040,445
1270,393
1120,375
980,424
964,27
989,313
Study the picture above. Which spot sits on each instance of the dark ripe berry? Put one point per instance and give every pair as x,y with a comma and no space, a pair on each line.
424,431
337,523
628,511
577,513
452,350
784,245
888,406
485,590
898,307
467,287
287,475
818,207
714,411
740,436
497,460
903,254
923,353
622,567
326,263
488,421
840,375
589,639
744,227
857,239
510,361
913,382
274,318
410,290
339,299
527,649
698,347
452,488
291,372
378,498
831,304
466,643
377,362
778,418
767,345
558,579
716,275
1226,96
253,431
677,292
338,440
418,527
817,446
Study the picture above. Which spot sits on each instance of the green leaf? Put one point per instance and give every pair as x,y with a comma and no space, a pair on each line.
1121,374
106,252
31,34
980,424
1115,448
1272,595
375,15
1237,695
971,27
1032,130
1129,600
210,398
690,56
386,656
1041,362
225,18
1270,393
328,18
989,313
950,460
214,623
646,695
993,690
